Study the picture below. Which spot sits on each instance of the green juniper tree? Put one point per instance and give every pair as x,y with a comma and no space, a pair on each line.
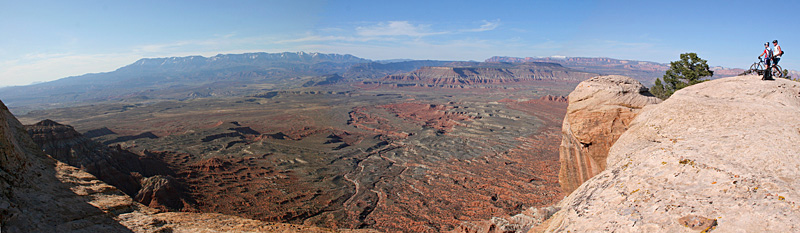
686,72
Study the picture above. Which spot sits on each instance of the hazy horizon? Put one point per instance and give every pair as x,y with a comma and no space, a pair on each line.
51,39
208,56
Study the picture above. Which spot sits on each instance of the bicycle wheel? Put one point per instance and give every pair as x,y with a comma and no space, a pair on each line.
755,67
777,72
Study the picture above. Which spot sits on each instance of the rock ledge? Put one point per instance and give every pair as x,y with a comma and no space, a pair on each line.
719,155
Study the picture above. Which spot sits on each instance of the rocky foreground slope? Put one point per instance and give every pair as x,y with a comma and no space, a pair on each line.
40,194
149,180
720,155
600,110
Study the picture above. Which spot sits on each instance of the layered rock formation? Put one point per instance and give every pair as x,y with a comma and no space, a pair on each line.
588,61
489,73
600,110
376,70
40,194
162,192
718,155
409,161
113,165
65,144
644,71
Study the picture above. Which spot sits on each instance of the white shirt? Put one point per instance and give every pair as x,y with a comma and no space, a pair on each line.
776,49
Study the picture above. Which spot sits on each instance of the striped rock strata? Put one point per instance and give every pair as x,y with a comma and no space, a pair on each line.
600,110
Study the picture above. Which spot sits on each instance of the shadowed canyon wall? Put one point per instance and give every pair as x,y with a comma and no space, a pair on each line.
41,194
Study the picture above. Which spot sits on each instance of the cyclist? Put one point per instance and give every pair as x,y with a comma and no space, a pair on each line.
767,54
778,52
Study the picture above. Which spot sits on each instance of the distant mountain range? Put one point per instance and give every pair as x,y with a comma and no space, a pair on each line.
644,71
182,77
460,74
189,77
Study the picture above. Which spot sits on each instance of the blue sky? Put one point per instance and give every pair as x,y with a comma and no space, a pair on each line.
48,40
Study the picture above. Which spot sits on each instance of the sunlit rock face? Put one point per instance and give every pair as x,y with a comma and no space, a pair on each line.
719,155
600,110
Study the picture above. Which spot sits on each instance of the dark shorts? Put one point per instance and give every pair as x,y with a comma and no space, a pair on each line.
776,60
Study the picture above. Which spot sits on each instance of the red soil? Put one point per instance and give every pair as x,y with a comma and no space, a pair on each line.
455,191
251,187
362,119
429,115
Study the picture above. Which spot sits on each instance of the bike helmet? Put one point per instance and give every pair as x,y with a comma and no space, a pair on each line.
775,41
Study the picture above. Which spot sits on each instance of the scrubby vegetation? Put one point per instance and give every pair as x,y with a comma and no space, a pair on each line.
690,70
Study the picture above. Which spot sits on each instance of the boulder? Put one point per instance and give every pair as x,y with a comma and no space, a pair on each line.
161,192
521,222
600,110
720,155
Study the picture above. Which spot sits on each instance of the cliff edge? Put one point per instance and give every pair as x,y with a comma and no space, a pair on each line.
40,194
600,110
720,155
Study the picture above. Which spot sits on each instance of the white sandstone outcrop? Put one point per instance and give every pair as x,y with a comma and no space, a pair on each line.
600,110
719,155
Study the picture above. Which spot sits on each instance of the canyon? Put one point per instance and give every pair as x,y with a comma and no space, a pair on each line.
41,194
387,162
326,142
383,153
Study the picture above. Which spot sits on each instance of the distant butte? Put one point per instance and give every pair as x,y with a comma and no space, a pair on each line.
337,141
489,73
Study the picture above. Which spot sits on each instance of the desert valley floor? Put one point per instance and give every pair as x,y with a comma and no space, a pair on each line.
388,158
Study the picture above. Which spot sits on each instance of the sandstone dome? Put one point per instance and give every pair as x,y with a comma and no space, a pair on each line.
600,110
719,155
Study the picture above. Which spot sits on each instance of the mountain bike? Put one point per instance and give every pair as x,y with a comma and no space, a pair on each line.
759,67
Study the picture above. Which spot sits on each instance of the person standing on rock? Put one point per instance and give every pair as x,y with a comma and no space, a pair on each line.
778,52
767,54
